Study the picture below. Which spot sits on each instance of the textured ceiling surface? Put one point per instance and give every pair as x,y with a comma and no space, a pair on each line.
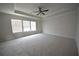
30,8
53,7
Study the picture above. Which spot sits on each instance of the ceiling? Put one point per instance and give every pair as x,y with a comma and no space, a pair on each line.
29,8
53,7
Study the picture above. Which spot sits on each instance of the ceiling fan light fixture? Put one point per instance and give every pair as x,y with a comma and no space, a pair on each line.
41,11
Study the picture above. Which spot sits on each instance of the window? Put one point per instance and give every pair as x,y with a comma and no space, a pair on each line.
33,26
23,25
16,25
26,25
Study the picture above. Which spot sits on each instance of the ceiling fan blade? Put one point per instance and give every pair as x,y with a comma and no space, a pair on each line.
45,10
43,13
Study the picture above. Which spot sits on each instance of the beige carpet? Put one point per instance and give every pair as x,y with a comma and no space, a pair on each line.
39,45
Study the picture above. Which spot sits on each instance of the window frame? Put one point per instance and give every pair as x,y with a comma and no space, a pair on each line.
12,26
23,26
31,26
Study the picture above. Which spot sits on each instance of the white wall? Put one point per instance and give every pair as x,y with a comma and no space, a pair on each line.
0,28
62,24
6,32
77,32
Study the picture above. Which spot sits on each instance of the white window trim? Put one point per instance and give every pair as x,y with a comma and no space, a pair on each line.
23,27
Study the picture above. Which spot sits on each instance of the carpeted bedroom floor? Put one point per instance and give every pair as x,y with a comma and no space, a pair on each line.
39,45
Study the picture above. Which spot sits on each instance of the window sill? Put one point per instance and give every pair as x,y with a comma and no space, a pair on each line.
24,32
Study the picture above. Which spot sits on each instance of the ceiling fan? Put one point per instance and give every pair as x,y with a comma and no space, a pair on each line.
41,11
